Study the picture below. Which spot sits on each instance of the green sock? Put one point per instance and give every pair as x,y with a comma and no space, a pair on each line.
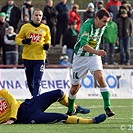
106,99
71,104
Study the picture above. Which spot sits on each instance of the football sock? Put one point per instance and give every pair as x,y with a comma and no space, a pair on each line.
106,99
78,120
71,104
64,101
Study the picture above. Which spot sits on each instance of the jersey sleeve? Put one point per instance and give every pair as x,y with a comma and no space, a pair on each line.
13,104
48,36
21,35
84,34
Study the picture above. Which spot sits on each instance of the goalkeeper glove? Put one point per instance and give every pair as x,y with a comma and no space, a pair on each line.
46,47
26,41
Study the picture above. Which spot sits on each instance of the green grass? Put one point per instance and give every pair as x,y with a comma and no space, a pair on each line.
123,118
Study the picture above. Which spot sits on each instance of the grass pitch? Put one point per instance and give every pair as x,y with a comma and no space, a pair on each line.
122,122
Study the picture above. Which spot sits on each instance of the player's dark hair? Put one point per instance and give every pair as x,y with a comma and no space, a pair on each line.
101,13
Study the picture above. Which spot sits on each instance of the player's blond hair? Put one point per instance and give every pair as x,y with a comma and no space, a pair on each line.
37,9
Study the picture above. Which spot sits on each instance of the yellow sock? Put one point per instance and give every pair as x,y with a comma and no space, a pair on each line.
64,101
78,120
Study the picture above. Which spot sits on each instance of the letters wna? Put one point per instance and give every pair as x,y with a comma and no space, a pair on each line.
10,84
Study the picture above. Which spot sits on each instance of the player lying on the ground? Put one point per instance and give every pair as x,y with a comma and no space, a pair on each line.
32,110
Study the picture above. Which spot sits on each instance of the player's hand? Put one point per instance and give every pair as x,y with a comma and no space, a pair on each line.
8,122
27,41
46,47
101,53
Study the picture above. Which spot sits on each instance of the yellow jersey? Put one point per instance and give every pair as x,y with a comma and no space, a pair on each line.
40,35
8,106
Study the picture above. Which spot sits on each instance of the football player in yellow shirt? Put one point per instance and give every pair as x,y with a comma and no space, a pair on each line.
33,110
36,39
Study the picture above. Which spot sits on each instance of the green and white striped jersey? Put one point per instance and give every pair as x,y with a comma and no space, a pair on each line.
90,35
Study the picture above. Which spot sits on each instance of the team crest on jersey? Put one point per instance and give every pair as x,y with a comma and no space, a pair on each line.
35,37
3,105
41,31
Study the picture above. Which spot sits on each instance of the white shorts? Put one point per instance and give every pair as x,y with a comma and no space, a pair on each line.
82,64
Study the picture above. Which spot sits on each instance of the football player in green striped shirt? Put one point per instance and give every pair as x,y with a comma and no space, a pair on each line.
87,56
